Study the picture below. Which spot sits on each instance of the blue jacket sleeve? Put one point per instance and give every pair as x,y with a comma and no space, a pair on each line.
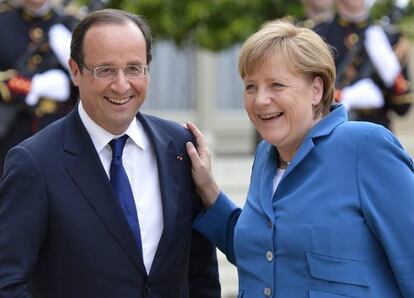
386,185
217,224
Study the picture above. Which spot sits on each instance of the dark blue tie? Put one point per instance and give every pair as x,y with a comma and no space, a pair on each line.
122,188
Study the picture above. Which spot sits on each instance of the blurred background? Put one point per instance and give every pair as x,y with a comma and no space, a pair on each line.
194,72
194,76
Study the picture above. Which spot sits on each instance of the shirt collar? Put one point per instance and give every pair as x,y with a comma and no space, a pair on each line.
100,137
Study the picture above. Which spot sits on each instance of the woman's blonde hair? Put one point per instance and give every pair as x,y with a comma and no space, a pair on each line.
304,51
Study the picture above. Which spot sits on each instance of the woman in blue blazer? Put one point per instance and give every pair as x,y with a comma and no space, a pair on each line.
330,208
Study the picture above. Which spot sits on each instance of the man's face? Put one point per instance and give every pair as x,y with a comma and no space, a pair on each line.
112,103
319,5
33,4
351,6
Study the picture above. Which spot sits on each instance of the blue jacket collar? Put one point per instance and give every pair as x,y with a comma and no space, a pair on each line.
324,127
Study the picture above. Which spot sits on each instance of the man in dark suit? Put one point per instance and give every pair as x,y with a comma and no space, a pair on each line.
66,229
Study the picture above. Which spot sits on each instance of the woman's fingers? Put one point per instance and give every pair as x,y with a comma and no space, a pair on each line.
200,158
200,139
193,154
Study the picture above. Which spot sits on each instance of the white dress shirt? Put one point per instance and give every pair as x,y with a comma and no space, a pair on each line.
276,179
141,167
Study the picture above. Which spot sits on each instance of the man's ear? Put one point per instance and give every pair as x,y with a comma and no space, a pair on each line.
74,71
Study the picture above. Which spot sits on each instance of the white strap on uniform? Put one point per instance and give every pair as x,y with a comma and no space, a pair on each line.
59,40
381,54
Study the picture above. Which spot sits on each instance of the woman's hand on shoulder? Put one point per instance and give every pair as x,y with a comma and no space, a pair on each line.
206,186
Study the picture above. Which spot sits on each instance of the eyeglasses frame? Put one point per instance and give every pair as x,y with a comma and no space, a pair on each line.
93,71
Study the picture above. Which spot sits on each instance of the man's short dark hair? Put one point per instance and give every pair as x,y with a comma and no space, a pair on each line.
107,16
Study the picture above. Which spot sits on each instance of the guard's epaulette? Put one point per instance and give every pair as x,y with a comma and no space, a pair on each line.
4,7
311,23
68,16
388,28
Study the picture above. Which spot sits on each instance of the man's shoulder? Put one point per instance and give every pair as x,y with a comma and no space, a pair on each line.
164,125
156,119
7,13
66,17
45,138
5,7
393,34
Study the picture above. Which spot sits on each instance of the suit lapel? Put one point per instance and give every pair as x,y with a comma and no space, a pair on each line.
323,128
85,168
169,171
266,182
303,151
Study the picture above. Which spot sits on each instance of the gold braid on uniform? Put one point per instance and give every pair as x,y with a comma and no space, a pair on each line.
5,92
4,88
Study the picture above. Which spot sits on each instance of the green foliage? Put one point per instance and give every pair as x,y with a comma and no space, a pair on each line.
406,24
219,24
210,24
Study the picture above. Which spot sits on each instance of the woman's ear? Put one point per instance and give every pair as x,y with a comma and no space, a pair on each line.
317,90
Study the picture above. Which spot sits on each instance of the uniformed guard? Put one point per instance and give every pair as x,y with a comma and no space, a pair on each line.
316,12
371,60
35,86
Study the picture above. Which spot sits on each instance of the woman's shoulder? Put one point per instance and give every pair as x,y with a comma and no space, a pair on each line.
360,128
360,132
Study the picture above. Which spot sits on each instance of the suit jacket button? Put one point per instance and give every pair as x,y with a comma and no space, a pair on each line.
267,291
147,290
269,256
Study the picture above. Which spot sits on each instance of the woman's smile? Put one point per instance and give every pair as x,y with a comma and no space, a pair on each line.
270,116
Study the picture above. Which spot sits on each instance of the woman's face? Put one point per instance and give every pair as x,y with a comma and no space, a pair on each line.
280,104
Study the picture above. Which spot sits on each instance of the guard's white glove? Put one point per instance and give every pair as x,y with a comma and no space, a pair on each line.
59,40
382,55
53,84
363,94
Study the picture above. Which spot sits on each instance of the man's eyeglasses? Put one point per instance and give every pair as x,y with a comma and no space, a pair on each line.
107,72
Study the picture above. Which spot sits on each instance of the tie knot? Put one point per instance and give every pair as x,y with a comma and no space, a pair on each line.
117,146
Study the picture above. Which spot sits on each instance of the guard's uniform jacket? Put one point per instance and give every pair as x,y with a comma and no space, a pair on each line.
315,22
344,36
24,52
